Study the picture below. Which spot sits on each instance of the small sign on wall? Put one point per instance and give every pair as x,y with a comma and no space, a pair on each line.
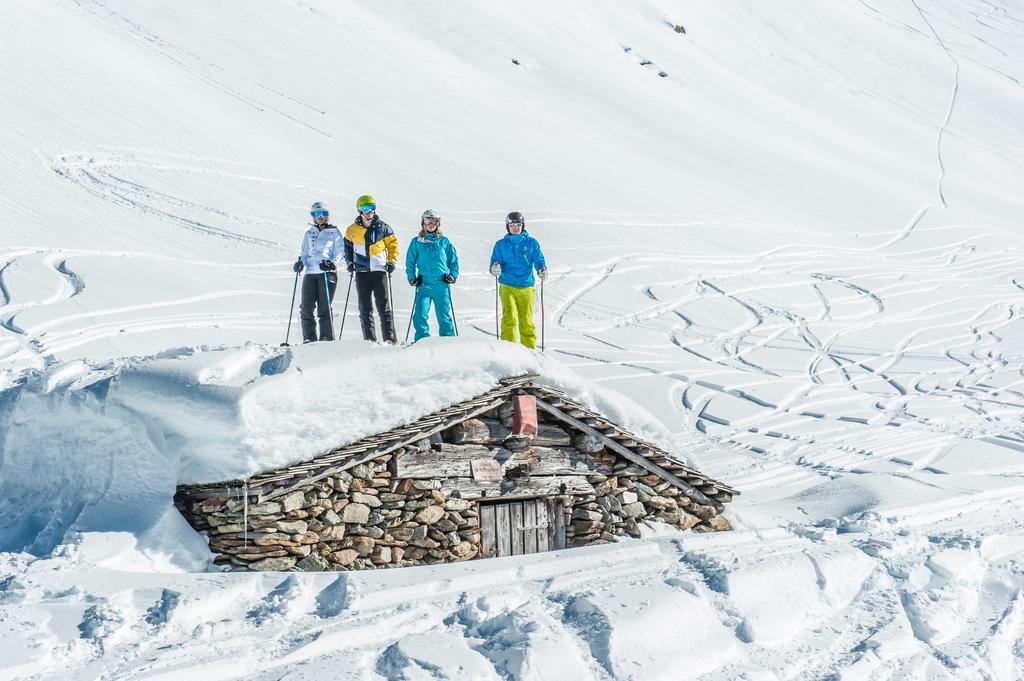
485,470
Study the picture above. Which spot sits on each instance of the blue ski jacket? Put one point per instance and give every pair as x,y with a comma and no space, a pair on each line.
519,255
434,256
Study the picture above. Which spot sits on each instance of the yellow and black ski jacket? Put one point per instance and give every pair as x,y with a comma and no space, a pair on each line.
370,248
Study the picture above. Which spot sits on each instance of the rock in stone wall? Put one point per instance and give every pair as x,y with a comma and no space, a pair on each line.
632,495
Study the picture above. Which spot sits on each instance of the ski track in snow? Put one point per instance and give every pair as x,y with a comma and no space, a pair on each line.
95,173
68,285
199,68
42,344
886,400
952,103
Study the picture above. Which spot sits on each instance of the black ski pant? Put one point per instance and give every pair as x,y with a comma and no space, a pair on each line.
375,285
315,294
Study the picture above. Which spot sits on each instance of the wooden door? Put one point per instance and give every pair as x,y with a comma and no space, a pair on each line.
515,528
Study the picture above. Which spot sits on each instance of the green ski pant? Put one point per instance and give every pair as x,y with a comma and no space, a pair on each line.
517,315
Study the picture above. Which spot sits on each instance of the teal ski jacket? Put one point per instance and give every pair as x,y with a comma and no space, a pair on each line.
433,256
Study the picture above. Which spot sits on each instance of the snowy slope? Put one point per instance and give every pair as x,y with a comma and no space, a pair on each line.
799,249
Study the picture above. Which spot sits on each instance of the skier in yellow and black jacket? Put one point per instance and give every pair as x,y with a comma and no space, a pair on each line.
371,251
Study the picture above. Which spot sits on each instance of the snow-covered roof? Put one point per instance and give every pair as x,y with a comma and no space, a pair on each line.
699,487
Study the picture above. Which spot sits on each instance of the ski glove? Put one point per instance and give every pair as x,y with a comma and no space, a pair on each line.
389,268
351,267
449,279
542,273
297,267
416,281
327,266
495,270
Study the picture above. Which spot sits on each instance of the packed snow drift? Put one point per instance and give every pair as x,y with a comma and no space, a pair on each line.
785,241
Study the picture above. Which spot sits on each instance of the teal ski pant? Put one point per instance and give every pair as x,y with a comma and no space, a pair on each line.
441,297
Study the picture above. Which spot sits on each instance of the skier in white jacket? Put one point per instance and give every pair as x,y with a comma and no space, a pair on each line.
321,249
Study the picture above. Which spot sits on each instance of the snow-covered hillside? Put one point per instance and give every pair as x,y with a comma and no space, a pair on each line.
791,234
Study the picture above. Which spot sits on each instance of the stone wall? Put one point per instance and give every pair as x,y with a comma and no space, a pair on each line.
632,495
358,519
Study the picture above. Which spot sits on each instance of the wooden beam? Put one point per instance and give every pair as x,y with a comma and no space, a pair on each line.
687,489
530,522
225,492
517,489
515,521
504,529
544,521
454,461
516,381
548,435
556,524
488,532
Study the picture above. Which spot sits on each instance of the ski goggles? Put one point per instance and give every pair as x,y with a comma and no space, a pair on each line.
368,208
431,221
319,213
515,224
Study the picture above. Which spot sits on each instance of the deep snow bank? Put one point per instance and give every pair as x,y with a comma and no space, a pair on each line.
103,448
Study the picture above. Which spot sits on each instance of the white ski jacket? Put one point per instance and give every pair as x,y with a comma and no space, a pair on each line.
320,244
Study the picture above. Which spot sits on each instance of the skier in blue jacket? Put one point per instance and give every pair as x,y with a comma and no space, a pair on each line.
432,266
513,261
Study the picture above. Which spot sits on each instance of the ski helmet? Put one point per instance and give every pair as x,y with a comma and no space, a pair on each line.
318,206
515,216
431,214
365,201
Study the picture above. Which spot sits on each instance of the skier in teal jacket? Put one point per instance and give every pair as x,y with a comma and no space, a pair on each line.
432,266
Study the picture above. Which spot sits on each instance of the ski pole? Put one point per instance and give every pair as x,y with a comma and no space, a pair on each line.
542,315
451,301
327,290
415,300
291,311
497,335
351,276
391,304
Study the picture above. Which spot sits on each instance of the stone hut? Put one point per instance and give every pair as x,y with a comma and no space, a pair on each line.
519,469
